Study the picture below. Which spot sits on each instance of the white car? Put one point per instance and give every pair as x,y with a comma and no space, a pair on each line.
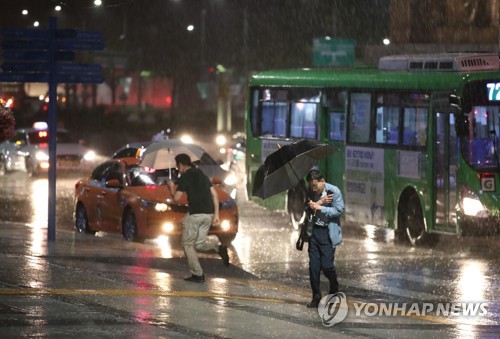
28,151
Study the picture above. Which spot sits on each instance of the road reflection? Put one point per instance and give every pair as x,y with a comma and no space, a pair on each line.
39,201
472,281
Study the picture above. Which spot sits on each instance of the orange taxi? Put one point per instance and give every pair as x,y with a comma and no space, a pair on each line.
123,197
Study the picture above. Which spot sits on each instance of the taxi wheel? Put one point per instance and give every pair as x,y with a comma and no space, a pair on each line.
129,226
82,221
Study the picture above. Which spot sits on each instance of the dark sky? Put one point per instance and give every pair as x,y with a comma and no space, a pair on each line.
251,34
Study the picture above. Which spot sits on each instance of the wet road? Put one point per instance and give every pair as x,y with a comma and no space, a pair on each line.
267,283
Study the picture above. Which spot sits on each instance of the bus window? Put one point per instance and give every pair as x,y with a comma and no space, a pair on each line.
303,120
481,143
274,118
415,126
336,126
254,118
387,119
335,101
359,124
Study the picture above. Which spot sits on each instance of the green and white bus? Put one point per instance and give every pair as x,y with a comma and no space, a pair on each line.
416,139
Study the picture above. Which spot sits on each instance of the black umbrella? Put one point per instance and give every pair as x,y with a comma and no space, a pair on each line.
285,168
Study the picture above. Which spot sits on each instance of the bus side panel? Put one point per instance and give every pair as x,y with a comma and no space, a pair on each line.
335,166
364,191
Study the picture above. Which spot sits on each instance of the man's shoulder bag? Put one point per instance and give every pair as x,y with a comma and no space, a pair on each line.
305,229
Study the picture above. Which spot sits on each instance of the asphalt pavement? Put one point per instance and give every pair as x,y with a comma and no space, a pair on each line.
82,286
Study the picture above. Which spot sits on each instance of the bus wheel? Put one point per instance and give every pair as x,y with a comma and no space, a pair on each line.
411,220
296,199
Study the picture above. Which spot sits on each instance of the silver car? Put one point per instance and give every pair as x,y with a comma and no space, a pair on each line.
28,151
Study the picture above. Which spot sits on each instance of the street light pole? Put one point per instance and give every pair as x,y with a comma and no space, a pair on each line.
203,29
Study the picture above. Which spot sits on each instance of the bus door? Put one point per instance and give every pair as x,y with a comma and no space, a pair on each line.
445,166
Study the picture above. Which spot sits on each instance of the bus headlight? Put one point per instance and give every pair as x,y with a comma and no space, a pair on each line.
225,225
473,207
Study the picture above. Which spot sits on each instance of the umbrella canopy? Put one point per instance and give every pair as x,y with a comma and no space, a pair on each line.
161,155
285,168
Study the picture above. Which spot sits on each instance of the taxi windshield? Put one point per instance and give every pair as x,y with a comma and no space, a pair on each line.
481,143
42,137
38,137
138,176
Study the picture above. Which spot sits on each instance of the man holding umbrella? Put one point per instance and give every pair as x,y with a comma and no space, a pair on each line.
203,212
325,202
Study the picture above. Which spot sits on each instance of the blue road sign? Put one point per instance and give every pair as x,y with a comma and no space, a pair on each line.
78,35
30,33
24,77
45,67
25,44
37,55
79,78
75,45
26,33
25,67
58,78
71,45
79,68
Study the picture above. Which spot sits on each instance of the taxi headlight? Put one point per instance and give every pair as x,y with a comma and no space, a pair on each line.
41,156
89,156
231,180
158,206
161,207
168,227
225,225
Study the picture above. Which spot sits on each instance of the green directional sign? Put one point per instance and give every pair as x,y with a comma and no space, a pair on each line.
333,52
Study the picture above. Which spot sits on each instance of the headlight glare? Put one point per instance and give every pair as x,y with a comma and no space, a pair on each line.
161,207
89,156
473,207
41,156
225,225
168,227
231,180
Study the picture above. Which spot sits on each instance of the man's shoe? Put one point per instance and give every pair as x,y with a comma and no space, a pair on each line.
223,254
196,278
313,304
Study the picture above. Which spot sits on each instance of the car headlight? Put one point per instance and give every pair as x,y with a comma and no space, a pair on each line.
225,225
168,227
89,156
231,179
41,156
158,206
